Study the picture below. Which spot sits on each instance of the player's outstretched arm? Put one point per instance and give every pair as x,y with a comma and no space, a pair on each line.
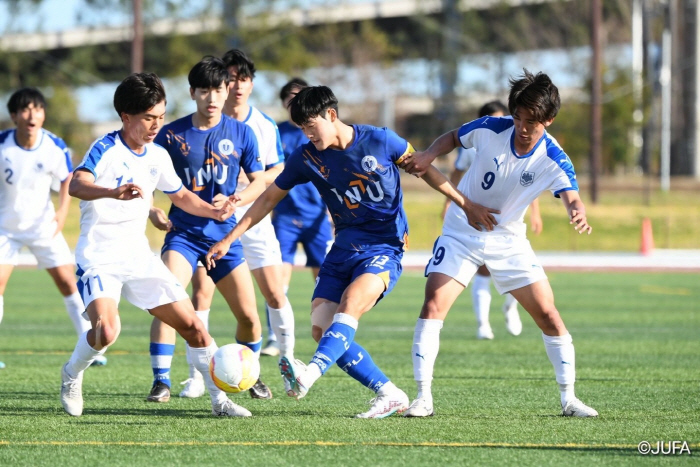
536,224
576,210
418,162
477,215
63,205
255,189
455,177
82,186
260,208
193,204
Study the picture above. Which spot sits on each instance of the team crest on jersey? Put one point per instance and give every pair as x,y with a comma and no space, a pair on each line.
369,163
526,178
153,171
226,147
39,167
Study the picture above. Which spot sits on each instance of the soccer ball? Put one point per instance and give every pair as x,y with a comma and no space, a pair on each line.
234,368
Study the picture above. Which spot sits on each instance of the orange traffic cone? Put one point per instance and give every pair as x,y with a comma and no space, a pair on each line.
647,237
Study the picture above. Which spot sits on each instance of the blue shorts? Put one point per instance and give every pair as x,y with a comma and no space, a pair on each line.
195,249
315,236
341,267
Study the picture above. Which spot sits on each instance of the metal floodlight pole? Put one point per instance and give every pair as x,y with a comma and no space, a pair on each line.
137,40
637,76
596,97
665,81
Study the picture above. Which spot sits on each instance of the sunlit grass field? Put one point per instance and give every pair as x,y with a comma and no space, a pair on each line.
496,402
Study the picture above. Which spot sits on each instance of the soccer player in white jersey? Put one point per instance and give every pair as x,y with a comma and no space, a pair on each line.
115,182
516,160
481,285
30,159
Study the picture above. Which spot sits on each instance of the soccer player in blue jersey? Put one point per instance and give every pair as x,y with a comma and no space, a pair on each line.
30,159
516,160
354,168
300,217
208,150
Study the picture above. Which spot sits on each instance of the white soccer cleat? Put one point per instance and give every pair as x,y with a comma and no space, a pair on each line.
194,387
484,332
229,409
420,407
513,324
576,408
272,349
292,372
386,404
72,393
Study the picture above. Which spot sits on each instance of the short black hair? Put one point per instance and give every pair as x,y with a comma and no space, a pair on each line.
21,99
238,58
208,73
292,87
311,102
491,108
536,93
137,93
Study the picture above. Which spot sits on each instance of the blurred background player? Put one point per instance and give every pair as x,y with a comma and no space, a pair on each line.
115,182
300,217
30,159
354,168
481,284
208,150
516,160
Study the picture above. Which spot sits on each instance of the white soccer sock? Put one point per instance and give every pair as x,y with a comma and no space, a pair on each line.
509,303
201,356
481,297
2,307
203,315
387,388
82,357
75,308
426,344
560,350
282,323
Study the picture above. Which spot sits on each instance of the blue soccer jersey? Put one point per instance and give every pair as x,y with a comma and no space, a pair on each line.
360,186
208,163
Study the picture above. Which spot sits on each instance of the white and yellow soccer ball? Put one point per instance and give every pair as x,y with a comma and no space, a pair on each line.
234,368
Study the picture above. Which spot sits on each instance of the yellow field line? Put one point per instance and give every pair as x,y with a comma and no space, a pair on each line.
655,289
329,443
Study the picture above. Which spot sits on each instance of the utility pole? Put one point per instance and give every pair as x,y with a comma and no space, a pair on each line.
231,12
448,64
596,97
637,77
137,40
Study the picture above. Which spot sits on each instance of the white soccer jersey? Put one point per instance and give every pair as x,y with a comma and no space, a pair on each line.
269,145
112,231
26,209
502,180
465,158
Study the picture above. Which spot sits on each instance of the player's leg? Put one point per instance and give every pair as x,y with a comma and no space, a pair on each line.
510,311
481,299
162,345
5,273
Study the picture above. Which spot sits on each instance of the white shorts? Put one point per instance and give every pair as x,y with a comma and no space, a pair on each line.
50,251
509,258
146,285
260,245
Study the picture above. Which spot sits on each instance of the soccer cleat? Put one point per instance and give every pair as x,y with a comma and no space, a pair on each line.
272,349
229,409
291,372
160,392
420,407
100,360
576,408
194,387
72,393
386,404
260,391
484,332
513,324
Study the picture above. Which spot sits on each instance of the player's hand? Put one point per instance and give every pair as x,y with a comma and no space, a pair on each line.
578,219
159,219
536,224
219,200
480,217
225,211
60,219
217,250
128,191
416,163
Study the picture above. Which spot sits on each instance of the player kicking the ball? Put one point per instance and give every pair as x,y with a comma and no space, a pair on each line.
115,182
516,160
354,168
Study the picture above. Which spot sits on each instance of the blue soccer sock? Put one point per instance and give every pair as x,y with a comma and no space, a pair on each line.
254,346
335,341
161,360
357,363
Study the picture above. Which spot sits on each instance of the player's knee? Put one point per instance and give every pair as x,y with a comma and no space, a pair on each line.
195,335
66,288
316,333
277,300
105,333
431,310
550,321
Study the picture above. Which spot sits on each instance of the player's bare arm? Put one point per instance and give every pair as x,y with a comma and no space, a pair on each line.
536,224
272,173
63,205
260,208
576,210
477,215
159,219
418,162
455,177
193,204
82,186
255,189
